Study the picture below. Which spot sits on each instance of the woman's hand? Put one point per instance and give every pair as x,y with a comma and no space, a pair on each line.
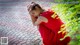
40,19
33,18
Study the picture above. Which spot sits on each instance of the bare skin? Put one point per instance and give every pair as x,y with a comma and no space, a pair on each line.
36,13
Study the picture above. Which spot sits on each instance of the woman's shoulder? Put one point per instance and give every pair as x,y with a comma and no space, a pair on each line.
47,12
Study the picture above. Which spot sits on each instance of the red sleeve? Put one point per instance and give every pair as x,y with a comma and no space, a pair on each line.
47,14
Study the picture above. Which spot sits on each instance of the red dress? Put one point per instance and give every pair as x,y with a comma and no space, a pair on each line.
49,31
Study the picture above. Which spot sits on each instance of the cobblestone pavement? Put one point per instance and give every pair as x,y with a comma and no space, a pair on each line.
15,23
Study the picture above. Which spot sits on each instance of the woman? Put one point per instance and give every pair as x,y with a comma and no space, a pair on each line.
51,28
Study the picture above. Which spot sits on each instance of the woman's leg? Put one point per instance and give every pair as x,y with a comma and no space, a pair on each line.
46,34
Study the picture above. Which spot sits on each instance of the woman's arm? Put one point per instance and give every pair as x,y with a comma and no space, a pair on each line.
40,20
33,19
37,21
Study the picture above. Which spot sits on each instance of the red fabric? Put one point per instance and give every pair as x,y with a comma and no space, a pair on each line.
49,31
